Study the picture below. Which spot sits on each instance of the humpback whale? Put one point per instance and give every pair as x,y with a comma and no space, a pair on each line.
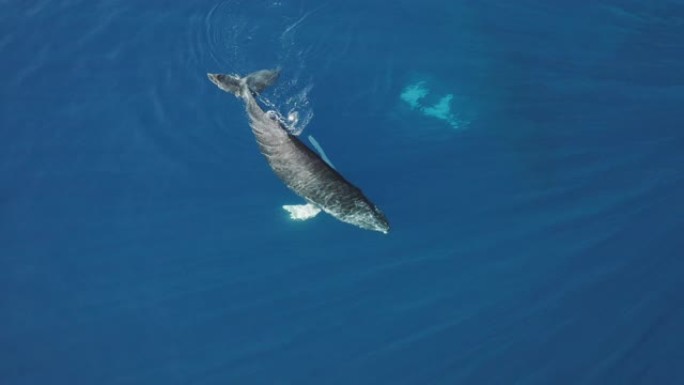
300,168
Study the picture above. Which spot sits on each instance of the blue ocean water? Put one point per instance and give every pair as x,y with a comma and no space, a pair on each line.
534,190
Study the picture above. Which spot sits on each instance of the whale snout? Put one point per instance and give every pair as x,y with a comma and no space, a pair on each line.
377,221
382,225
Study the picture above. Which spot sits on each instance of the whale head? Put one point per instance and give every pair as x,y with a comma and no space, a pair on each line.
367,216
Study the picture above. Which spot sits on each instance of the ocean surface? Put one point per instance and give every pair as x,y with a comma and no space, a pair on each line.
528,154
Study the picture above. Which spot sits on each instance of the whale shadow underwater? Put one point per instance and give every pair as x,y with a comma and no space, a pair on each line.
300,168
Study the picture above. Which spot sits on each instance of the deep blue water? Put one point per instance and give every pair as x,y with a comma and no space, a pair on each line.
536,233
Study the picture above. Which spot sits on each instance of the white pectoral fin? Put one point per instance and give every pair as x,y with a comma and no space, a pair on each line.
318,148
302,212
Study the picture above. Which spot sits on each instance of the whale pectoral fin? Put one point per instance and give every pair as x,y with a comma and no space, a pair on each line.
302,212
320,151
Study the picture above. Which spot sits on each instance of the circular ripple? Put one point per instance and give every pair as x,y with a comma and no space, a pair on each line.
242,36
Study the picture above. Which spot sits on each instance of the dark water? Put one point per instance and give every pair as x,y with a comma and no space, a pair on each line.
536,226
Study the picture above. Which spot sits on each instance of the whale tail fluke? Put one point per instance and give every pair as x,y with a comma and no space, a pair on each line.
260,80
228,83
255,82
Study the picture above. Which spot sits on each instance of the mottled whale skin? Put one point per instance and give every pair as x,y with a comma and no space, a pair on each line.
300,168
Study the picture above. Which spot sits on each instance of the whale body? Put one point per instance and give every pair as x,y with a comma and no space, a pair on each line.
300,168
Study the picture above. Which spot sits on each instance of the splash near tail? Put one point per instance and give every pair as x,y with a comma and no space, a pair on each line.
255,82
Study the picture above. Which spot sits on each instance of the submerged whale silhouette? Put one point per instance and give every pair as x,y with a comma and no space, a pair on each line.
300,168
